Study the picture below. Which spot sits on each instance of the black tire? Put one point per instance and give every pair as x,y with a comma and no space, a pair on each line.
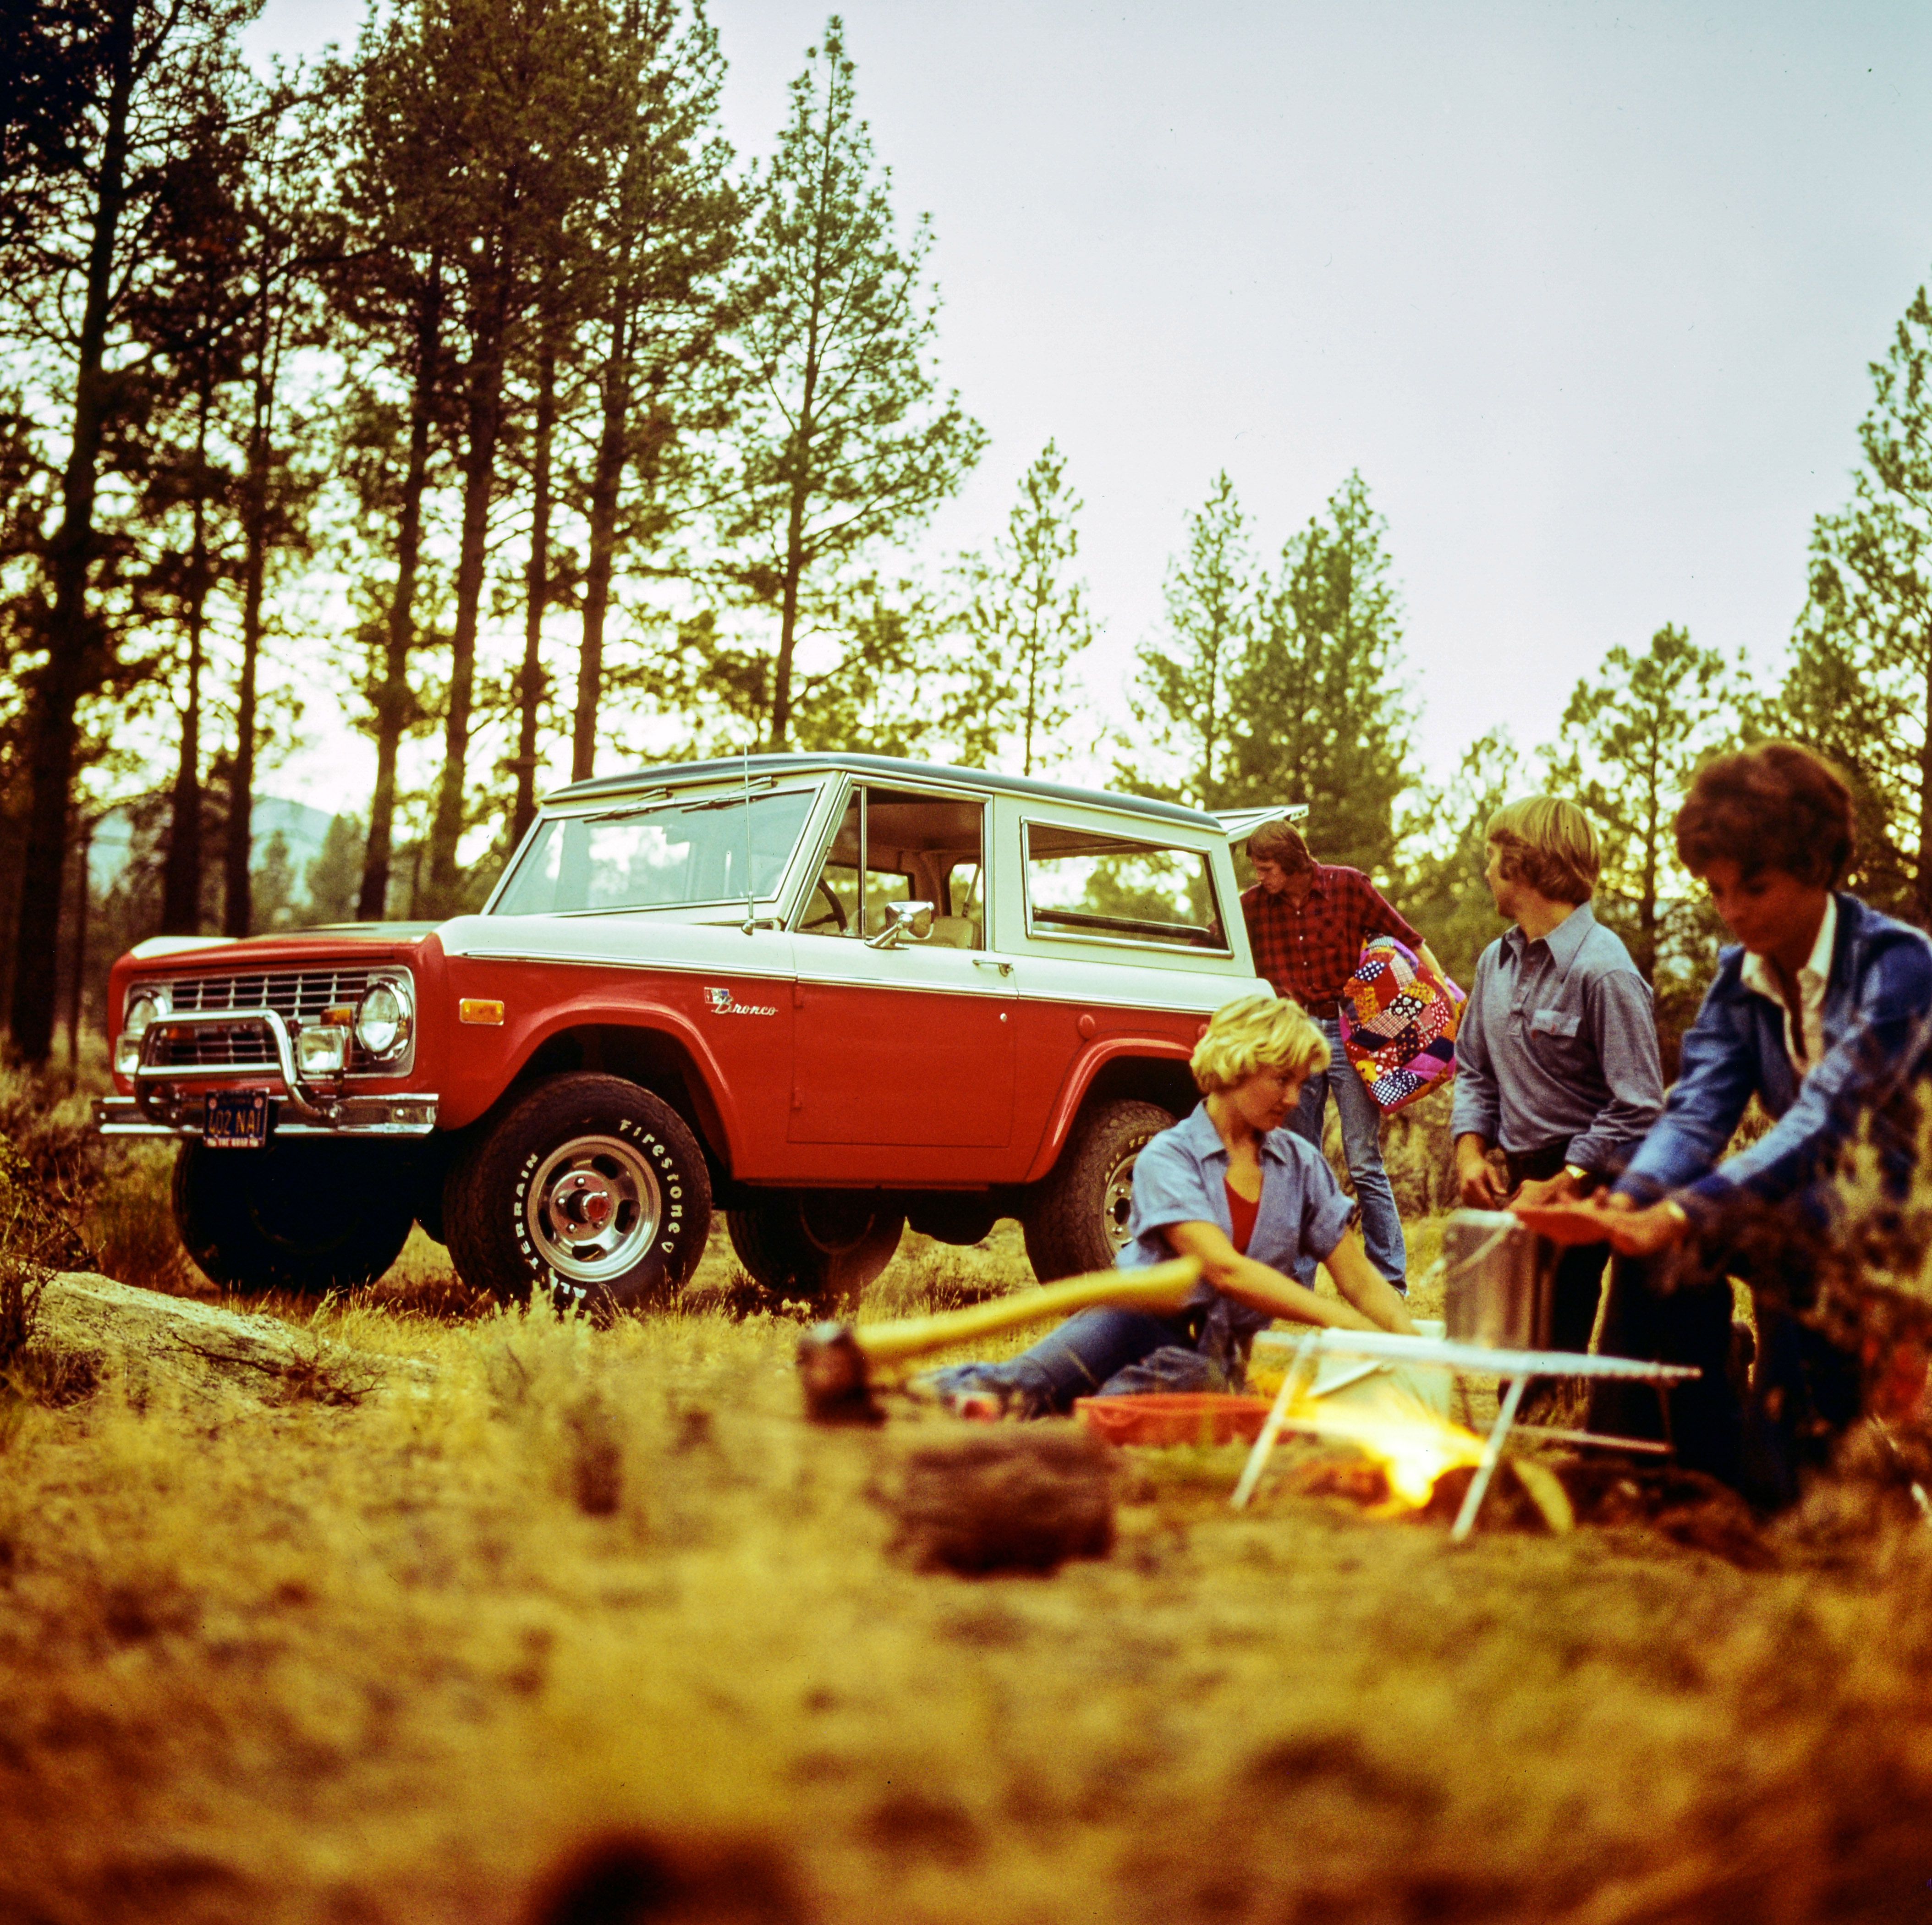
589,1187
814,1244
308,1216
1076,1220
959,1219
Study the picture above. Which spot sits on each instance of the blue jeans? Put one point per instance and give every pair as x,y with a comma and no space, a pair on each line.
1097,1354
1362,1144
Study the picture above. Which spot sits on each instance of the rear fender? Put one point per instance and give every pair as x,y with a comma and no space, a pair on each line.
1112,1069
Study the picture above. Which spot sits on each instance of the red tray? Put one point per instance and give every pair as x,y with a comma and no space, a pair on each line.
1174,1416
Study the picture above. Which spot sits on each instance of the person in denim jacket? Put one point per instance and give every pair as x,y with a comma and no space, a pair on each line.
1821,1010
1230,1185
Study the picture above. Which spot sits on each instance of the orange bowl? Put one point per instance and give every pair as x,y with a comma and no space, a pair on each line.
1173,1416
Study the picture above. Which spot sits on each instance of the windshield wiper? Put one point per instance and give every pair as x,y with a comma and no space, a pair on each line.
737,797
625,811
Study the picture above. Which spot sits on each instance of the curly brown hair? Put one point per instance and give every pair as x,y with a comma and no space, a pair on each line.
1774,806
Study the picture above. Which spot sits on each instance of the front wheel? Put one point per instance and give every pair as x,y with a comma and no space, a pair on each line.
590,1187
301,1215
817,1243
1077,1218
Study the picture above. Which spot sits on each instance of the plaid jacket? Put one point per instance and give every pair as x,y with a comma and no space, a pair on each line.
1310,951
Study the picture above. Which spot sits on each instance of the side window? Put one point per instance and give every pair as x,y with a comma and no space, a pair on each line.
895,845
1080,883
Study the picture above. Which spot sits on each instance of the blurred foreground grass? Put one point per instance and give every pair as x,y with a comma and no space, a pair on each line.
389,1663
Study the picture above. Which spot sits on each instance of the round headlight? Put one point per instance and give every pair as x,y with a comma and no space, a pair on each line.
147,1005
382,1022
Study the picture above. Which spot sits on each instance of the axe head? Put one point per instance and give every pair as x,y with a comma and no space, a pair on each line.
832,1371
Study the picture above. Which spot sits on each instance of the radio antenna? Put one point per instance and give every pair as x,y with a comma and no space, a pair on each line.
750,915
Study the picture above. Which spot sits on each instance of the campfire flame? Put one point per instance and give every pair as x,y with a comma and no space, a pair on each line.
1392,1418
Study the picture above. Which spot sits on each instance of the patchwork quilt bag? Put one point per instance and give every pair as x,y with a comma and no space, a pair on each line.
1398,1022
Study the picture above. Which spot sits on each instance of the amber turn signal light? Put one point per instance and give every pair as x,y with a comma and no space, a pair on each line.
479,1009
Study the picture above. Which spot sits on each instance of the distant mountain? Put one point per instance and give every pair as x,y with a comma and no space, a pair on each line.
302,828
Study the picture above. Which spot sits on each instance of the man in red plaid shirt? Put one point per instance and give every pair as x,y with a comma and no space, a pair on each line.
1307,922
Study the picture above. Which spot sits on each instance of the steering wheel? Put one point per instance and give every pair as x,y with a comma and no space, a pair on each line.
835,914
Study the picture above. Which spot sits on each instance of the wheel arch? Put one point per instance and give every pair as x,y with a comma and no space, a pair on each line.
656,1060
1139,1069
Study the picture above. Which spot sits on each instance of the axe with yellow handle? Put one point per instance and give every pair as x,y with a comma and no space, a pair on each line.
835,1360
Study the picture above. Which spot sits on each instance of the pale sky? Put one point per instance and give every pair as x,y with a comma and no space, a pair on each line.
1586,292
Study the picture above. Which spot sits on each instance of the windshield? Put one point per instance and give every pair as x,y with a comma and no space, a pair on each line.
658,855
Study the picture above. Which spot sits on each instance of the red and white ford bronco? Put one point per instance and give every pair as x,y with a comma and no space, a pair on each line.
830,994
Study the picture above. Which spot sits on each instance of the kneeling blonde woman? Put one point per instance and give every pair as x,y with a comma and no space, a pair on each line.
1259,1205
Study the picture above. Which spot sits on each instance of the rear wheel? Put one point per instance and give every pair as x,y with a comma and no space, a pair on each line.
589,1186
1077,1218
301,1215
817,1243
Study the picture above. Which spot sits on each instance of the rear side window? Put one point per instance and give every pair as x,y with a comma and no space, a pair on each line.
1105,888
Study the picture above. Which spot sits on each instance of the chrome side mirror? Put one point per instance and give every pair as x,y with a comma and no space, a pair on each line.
904,922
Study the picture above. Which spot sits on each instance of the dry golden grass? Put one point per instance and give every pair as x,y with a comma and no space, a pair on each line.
391,1663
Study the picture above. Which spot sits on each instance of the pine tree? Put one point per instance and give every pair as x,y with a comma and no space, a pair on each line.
845,440
666,228
1444,837
1631,742
1859,688
1184,689
392,293
1027,618
499,100
111,86
334,878
1319,713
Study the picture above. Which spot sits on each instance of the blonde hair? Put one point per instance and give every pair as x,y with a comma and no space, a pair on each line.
1550,844
1251,1032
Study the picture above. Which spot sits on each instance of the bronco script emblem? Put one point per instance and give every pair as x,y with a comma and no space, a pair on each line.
723,1003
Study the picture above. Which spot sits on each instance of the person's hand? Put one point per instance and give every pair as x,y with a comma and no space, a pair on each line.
1561,1188
1475,1181
1644,1233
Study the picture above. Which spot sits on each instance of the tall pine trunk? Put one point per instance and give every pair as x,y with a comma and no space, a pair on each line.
536,597
606,483
180,877
392,700
73,664
479,476
237,906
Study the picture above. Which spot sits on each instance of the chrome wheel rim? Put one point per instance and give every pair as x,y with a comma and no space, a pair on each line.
594,1208
1117,1202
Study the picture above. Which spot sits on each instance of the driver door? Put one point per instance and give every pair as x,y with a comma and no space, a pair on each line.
911,1046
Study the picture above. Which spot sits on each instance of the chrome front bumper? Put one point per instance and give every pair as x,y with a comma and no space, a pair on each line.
167,1099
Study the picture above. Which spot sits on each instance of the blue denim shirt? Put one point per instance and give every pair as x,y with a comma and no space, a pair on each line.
1558,1044
1181,1177
1877,1016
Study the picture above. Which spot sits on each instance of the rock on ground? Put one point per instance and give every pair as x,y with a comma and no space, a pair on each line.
151,1340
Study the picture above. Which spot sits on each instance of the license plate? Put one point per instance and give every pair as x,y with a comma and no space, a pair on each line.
237,1119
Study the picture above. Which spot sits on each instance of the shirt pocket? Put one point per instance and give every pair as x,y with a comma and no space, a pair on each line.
1558,1045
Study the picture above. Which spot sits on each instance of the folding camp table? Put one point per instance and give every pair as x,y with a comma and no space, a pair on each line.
1304,1350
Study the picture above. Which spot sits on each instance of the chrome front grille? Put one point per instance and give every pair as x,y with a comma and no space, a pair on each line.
297,996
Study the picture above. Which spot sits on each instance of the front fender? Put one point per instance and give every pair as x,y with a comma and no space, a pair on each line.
484,1060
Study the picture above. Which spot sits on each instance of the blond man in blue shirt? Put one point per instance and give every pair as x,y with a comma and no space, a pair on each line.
1556,1058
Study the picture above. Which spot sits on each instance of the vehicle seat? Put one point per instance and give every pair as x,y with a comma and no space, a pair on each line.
954,932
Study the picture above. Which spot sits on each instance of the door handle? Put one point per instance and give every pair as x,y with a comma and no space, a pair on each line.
993,962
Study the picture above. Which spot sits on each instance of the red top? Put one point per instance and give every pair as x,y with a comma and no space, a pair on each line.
1308,953
1244,1214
